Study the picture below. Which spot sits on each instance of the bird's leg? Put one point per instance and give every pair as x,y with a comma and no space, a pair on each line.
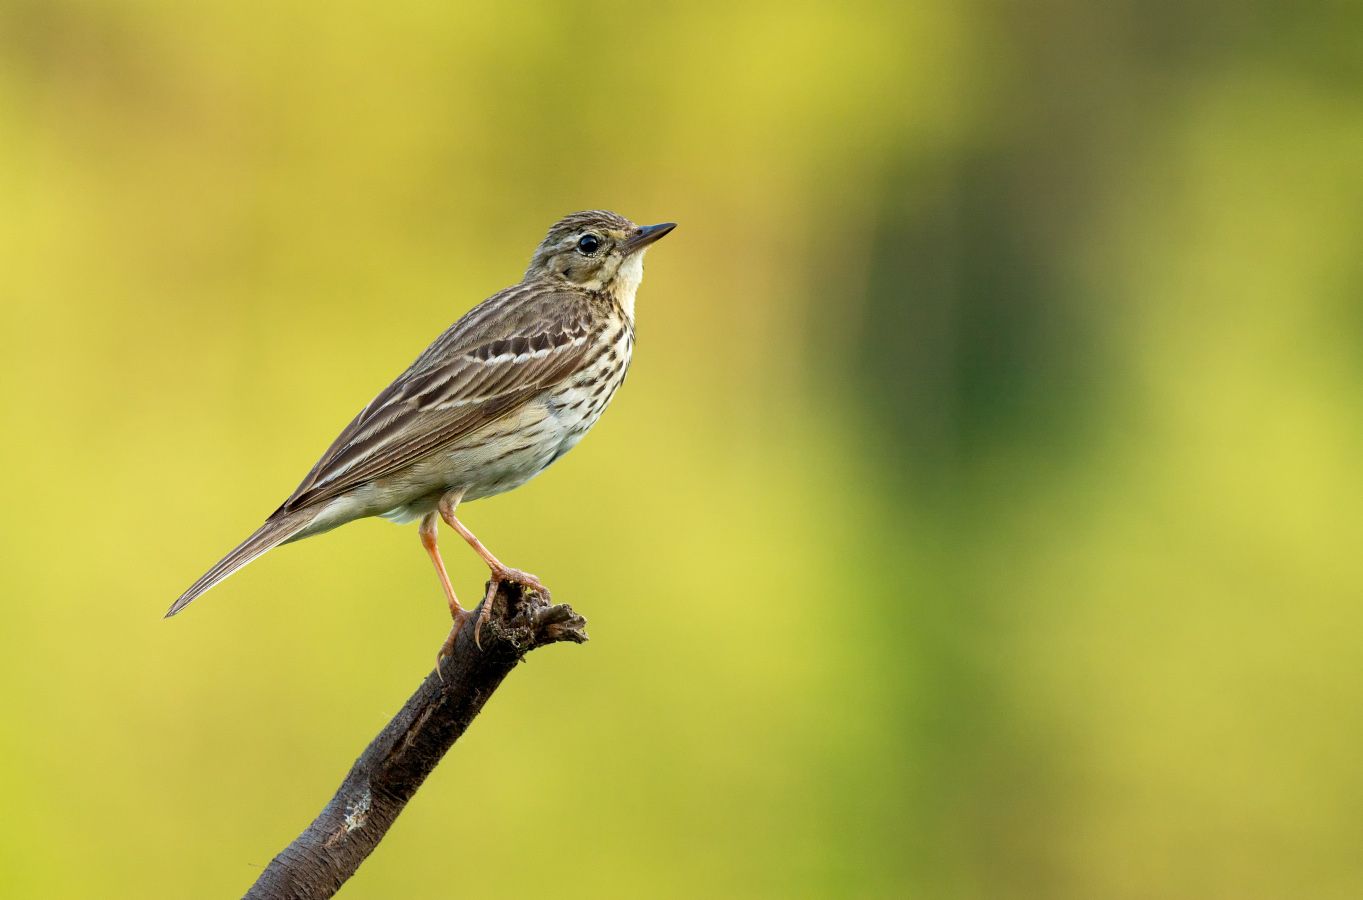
499,572
429,532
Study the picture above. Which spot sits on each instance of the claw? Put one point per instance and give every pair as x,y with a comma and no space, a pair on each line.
484,613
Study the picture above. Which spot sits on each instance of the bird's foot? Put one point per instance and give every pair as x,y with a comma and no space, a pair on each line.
527,582
524,579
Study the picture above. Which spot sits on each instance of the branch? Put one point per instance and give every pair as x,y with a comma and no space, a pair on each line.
391,769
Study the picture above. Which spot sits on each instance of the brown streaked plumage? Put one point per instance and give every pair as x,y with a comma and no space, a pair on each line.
505,391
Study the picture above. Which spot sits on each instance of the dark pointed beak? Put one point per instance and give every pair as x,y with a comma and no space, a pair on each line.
647,235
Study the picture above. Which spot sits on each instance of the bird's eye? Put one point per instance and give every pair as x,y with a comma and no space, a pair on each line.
588,244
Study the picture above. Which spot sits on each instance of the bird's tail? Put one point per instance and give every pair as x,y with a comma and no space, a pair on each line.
276,530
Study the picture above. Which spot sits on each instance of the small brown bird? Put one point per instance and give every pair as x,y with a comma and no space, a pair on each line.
505,391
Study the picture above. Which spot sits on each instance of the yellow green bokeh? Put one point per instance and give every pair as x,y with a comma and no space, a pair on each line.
980,519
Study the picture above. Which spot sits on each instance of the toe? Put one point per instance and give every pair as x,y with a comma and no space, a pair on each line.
525,579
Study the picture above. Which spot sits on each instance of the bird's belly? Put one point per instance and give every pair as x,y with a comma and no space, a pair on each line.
507,453
501,456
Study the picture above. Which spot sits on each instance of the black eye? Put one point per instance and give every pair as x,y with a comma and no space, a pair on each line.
588,244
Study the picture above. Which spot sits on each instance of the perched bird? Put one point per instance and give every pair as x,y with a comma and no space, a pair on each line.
505,391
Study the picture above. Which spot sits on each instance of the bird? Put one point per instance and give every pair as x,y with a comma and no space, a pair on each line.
498,397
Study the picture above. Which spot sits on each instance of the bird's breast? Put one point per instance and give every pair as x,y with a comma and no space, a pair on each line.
578,402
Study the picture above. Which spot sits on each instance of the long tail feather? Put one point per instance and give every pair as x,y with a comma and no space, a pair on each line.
275,531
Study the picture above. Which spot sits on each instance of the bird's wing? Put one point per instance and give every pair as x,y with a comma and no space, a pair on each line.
500,355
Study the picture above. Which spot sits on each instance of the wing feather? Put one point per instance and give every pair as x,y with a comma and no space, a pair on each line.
499,356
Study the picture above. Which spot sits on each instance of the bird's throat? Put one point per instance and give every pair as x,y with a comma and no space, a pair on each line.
626,282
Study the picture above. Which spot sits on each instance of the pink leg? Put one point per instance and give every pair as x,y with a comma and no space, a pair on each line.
429,533
498,571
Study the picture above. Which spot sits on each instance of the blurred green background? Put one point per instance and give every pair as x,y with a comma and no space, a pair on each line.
980,518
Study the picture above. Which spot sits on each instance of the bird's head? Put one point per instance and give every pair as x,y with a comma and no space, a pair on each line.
596,250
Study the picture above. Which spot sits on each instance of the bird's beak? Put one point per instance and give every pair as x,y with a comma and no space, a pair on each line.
647,235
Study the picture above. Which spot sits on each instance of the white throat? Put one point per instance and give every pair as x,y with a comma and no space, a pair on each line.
626,282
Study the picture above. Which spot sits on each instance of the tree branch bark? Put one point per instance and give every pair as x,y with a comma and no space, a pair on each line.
395,764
